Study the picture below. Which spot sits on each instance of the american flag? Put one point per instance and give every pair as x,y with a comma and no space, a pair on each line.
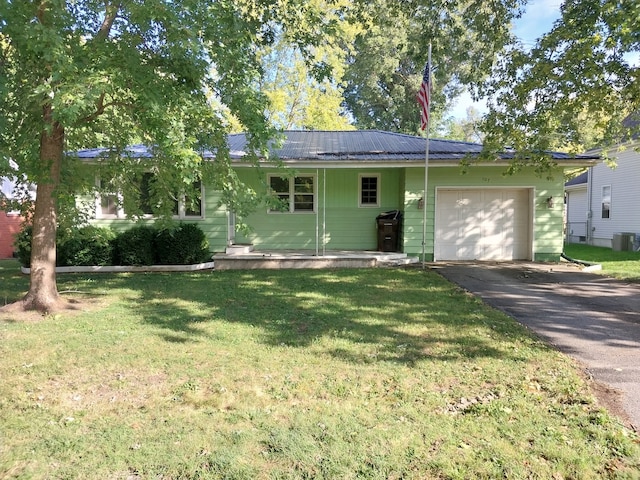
424,97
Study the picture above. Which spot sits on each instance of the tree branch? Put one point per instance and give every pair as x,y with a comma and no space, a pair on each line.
110,15
101,106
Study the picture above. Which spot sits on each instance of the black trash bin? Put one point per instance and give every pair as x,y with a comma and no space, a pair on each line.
389,224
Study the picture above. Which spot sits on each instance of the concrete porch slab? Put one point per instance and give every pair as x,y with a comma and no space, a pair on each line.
282,259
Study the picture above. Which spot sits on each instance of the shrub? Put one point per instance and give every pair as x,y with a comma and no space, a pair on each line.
183,245
136,246
87,245
22,245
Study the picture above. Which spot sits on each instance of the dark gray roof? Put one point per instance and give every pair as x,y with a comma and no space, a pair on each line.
133,151
579,180
349,146
359,145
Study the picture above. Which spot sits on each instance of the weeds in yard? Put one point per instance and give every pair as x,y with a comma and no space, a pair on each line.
376,373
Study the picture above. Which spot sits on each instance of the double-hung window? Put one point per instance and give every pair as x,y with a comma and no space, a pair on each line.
144,183
294,194
110,202
606,201
190,207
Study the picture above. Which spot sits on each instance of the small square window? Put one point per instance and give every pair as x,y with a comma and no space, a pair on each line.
369,190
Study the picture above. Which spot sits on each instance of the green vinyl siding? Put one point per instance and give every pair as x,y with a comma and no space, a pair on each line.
338,220
547,222
213,223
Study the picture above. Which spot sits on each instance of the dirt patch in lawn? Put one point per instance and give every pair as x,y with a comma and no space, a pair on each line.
16,311
610,399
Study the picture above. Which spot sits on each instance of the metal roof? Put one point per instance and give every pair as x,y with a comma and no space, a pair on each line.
133,151
357,145
351,146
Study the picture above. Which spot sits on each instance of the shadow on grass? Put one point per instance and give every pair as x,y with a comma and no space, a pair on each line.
368,315
13,284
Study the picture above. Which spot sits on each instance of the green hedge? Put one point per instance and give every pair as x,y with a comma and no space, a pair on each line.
136,246
183,244
86,246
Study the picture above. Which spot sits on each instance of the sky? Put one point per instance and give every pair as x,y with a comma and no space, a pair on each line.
538,19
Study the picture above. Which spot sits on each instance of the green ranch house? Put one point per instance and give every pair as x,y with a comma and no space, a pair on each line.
345,183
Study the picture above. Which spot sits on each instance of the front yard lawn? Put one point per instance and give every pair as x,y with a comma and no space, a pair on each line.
349,373
621,265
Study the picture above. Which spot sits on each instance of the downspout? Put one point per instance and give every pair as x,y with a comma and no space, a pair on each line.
589,211
324,209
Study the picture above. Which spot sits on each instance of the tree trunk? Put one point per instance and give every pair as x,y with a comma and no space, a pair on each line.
43,290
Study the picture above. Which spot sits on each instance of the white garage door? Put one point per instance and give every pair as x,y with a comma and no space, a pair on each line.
483,224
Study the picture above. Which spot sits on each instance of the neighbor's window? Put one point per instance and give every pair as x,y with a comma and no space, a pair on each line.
296,194
369,190
606,201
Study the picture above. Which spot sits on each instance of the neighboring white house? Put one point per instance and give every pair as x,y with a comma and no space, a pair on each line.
577,206
603,205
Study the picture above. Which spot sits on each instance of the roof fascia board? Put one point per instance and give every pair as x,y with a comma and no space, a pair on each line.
404,164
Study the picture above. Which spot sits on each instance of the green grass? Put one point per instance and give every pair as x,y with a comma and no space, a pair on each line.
621,265
371,373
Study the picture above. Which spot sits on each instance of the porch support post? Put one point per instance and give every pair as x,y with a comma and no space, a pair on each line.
324,209
317,216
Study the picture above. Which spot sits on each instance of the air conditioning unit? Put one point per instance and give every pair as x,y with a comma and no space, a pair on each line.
623,242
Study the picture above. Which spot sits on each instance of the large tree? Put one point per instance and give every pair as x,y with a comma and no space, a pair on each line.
464,129
385,68
297,99
573,88
86,73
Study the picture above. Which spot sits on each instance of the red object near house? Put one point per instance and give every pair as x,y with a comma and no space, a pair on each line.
9,225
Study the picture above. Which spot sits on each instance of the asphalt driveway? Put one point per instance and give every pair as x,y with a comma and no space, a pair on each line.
592,318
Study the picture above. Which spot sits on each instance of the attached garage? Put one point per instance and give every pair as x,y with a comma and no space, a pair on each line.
483,224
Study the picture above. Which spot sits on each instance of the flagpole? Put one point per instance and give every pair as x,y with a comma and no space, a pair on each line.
426,166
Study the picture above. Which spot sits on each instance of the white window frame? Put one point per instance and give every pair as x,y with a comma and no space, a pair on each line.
292,193
120,213
182,207
362,176
605,199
